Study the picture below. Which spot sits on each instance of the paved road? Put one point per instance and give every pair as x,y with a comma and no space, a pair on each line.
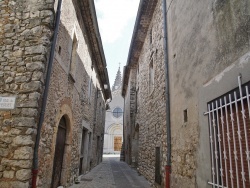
112,173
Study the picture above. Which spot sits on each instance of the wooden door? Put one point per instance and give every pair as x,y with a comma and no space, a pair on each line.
59,152
158,165
117,143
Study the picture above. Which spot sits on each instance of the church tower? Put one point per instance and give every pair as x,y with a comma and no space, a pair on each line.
118,81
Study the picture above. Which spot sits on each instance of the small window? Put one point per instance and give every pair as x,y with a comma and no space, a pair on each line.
73,60
117,112
151,76
90,89
151,36
185,116
59,50
136,100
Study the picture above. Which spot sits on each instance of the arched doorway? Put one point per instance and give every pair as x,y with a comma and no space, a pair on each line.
59,153
113,139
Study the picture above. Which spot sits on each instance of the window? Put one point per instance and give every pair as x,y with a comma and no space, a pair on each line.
73,60
136,100
90,89
117,112
137,76
151,36
229,120
185,116
59,50
151,76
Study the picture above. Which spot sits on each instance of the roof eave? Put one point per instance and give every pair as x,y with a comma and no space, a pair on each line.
143,19
93,33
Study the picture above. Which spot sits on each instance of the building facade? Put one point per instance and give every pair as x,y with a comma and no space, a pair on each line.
113,135
208,64
72,132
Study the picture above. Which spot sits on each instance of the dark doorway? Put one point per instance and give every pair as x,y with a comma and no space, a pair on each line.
157,165
98,149
59,152
82,152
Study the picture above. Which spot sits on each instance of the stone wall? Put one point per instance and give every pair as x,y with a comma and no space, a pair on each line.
151,107
71,89
25,34
129,110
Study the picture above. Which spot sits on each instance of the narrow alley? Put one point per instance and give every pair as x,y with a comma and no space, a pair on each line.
112,173
163,83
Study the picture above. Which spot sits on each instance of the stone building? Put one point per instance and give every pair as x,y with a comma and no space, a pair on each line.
113,135
208,61
68,141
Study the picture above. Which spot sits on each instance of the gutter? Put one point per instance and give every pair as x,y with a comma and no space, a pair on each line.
166,60
45,96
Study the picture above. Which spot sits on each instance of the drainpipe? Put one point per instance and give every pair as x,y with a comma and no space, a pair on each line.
45,96
165,46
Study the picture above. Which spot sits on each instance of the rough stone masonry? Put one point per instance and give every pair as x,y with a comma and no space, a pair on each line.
25,34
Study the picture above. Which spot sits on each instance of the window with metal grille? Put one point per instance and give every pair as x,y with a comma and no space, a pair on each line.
229,131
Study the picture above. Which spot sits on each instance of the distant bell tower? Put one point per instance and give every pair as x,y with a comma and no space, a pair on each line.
118,80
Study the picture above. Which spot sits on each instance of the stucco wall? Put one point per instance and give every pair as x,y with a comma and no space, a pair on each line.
205,37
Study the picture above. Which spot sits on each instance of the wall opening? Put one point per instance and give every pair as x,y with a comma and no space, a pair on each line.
185,116
117,143
59,50
84,134
59,153
151,76
228,117
73,56
158,165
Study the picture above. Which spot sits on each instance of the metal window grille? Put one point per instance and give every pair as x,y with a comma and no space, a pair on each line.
229,131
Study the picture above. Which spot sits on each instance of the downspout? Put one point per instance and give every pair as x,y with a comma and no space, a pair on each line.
45,96
165,47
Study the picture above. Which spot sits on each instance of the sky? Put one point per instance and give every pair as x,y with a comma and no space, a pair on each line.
116,20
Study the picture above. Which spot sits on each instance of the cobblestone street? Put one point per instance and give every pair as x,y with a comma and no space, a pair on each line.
112,173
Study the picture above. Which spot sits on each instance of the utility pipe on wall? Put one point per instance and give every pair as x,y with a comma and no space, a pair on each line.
45,96
165,51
